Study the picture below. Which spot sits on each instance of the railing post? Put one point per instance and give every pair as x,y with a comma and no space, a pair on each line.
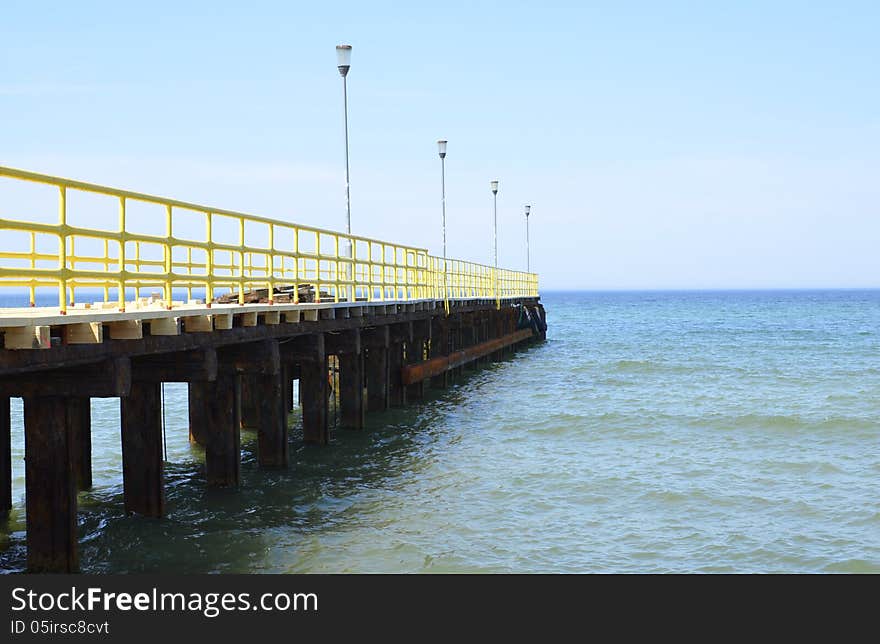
62,249
32,292
336,271
168,253
296,265
270,272
120,295
241,261
209,259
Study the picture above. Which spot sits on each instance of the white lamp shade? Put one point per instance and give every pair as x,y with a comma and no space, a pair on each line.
494,185
343,55
528,210
441,147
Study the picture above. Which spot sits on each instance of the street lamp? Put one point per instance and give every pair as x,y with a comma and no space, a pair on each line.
494,186
343,63
441,149
528,210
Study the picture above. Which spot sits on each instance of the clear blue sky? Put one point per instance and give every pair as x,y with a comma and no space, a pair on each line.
662,144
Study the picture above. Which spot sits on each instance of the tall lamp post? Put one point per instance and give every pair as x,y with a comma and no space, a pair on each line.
528,210
343,63
494,186
441,149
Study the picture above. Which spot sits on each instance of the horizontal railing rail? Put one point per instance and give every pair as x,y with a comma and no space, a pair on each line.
263,253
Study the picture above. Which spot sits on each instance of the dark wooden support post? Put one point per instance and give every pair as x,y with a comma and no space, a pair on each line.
271,408
415,352
451,346
199,393
79,418
261,363
223,438
142,464
377,341
315,402
351,386
250,393
309,354
480,331
440,347
498,330
50,488
458,339
399,335
347,347
51,450
287,389
194,367
5,458
377,379
468,337
396,390
540,308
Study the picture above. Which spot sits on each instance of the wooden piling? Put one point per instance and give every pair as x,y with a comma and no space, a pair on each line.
416,351
377,341
250,394
399,335
286,390
377,378
222,423
351,385
272,446
5,457
79,418
198,424
307,356
396,390
142,462
50,488
439,347
313,384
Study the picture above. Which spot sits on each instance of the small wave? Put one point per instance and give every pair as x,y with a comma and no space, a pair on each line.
633,365
648,367
784,422
853,566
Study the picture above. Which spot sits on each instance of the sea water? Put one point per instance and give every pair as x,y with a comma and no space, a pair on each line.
651,432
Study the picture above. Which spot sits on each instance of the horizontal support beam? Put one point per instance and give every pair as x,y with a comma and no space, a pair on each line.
401,332
68,356
343,342
105,379
186,366
261,357
419,371
376,337
304,347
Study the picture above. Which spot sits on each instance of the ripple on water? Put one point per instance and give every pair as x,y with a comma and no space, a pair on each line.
678,432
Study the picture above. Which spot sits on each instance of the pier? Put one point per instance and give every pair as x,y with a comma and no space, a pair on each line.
238,307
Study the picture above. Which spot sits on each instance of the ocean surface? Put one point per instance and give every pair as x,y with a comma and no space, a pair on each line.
652,432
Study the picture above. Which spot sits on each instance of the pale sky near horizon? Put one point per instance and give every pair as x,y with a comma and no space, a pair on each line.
661,145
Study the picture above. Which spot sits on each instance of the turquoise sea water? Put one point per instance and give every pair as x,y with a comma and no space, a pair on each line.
652,432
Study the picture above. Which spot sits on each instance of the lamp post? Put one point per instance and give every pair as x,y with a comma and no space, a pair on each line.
343,63
441,150
494,186
528,210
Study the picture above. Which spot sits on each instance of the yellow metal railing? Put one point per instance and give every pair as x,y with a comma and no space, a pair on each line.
261,254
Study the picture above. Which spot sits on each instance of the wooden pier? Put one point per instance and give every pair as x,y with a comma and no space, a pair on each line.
264,303
238,373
